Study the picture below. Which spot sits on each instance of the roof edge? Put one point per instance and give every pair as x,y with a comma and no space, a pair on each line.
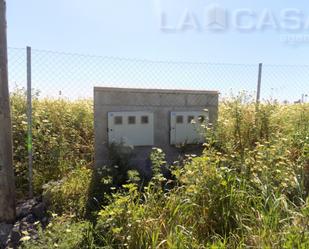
152,90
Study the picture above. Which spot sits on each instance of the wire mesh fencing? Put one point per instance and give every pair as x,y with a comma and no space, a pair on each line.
63,130
73,76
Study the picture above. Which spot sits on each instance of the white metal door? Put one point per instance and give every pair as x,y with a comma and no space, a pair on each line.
186,127
131,128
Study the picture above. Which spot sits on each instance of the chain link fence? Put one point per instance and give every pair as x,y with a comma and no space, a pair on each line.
73,76
63,130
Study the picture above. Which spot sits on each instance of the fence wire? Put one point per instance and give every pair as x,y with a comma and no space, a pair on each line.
73,76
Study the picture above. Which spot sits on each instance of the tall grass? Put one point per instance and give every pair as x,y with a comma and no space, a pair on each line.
62,138
249,189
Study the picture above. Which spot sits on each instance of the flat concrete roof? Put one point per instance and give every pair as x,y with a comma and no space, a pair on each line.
145,90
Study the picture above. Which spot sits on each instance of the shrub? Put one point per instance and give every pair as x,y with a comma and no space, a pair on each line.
245,191
62,138
69,195
211,205
63,233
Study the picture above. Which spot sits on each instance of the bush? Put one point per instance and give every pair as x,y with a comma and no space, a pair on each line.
247,190
210,206
69,195
62,138
63,233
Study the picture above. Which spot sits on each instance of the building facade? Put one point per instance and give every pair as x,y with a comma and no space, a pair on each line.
147,118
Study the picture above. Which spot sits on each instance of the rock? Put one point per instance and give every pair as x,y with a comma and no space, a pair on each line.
28,214
25,208
44,222
29,219
5,230
15,236
39,211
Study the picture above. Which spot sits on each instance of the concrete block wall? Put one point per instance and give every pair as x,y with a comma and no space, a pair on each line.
160,102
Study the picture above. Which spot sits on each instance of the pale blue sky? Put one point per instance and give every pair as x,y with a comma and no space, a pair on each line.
131,29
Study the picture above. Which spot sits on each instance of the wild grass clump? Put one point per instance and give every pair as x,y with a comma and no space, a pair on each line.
63,232
69,195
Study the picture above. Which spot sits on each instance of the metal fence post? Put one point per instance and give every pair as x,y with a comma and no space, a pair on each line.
258,93
29,120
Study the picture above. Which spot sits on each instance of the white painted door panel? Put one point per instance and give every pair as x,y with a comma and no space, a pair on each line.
186,127
131,128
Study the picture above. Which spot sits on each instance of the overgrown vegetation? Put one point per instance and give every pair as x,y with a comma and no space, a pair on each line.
64,232
62,139
249,189
69,195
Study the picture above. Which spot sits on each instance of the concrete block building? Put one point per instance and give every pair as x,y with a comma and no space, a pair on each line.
147,118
